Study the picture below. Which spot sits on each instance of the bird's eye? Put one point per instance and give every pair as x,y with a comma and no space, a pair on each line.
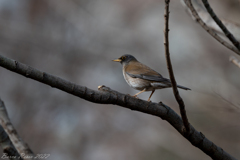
123,57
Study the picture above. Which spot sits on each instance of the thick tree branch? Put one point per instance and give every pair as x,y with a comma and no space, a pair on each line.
170,69
105,95
21,147
209,30
221,25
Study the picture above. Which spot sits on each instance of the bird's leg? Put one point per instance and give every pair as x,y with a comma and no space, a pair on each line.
151,95
139,92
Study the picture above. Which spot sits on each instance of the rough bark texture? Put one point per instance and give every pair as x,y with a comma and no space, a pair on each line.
105,95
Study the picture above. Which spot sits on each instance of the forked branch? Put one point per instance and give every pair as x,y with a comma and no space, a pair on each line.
221,25
209,30
105,95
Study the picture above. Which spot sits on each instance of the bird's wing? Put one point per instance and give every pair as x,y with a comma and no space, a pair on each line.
150,77
136,69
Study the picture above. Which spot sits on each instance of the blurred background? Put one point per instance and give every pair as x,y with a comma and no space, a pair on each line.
77,39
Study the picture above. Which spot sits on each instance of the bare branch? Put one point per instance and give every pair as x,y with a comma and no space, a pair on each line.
233,27
9,151
105,95
209,30
21,147
221,25
170,69
235,61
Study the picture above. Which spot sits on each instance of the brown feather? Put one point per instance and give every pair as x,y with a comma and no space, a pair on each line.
135,67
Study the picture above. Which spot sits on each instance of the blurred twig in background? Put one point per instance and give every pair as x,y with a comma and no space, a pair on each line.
221,25
21,147
207,28
8,148
233,27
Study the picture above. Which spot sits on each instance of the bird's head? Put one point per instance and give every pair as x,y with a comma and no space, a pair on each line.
125,59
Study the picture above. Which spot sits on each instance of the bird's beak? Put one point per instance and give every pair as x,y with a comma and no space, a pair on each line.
117,60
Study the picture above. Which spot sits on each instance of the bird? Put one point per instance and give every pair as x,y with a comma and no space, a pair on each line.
142,77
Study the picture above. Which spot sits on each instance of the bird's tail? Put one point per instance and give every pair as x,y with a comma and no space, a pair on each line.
182,87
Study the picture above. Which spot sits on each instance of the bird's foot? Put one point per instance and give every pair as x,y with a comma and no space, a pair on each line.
129,95
149,99
135,96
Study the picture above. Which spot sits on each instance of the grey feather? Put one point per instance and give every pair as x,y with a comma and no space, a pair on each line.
156,79
150,77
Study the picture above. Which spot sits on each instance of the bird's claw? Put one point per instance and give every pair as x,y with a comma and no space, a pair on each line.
135,96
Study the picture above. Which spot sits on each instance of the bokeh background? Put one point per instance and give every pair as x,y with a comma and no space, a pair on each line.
77,39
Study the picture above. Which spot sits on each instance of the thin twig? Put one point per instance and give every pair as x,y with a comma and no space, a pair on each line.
105,95
170,70
226,100
22,148
221,25
235,61
209,30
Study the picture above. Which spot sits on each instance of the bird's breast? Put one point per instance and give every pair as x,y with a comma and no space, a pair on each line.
136,83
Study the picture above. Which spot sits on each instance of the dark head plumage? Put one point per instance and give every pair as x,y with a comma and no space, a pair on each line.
125,59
